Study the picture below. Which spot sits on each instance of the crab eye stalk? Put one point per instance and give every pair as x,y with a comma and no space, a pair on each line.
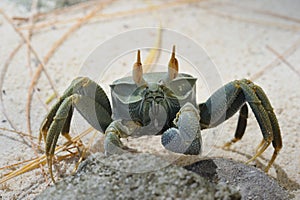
137,72
173,66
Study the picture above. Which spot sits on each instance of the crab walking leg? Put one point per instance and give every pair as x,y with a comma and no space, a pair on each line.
222,105
91,110
260,113
185,137
232,97
116,130
277,140
83,86
66,128
48,120
94,113
54,131
241,126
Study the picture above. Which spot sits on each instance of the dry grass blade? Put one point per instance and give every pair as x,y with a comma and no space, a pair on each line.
110,16
29,44
154,53
85,150
15,164
86,5
277,61
18,18
253,21
19,133
264,12
40,16
3,73
283,60
29,35
42,160
30,49
51,52
42,66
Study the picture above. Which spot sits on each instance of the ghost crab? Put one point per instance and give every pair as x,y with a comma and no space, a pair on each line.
160,103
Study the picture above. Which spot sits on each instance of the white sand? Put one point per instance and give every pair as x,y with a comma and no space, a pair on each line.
237,38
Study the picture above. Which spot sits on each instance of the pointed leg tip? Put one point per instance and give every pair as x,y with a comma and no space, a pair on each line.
50,162
227,145
266,170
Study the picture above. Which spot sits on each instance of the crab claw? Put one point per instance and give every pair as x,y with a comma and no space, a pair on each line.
185,137
173,66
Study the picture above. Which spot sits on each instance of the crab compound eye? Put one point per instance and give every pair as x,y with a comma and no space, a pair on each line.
161,82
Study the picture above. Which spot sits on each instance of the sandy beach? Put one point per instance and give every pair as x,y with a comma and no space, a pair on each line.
258,40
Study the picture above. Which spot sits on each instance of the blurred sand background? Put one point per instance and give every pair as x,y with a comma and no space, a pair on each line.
259,40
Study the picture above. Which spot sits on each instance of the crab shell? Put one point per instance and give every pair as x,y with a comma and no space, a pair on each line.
129,100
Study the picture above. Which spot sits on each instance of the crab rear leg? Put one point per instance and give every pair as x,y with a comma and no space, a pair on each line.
185,137
277,140
234,95
266,118
241,126
90,101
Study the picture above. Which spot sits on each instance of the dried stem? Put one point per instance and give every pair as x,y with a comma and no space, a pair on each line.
253,21
18,132
15,165
42,66
29,35
2,78
55,46
85,150
283,60
42,159
102,16
277,61
264,12
154,53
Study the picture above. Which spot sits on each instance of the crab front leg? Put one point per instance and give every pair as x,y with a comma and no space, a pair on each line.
91,102
185,137
115,131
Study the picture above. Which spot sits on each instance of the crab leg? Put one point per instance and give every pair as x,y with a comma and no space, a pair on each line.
277,141
116,130
82,86
54,130
234,95
185,137
66,128
86,107
90,101
241,126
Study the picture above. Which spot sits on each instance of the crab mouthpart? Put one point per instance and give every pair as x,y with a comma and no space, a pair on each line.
158,115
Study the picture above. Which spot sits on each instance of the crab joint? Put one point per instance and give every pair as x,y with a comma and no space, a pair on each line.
173,66
137,72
